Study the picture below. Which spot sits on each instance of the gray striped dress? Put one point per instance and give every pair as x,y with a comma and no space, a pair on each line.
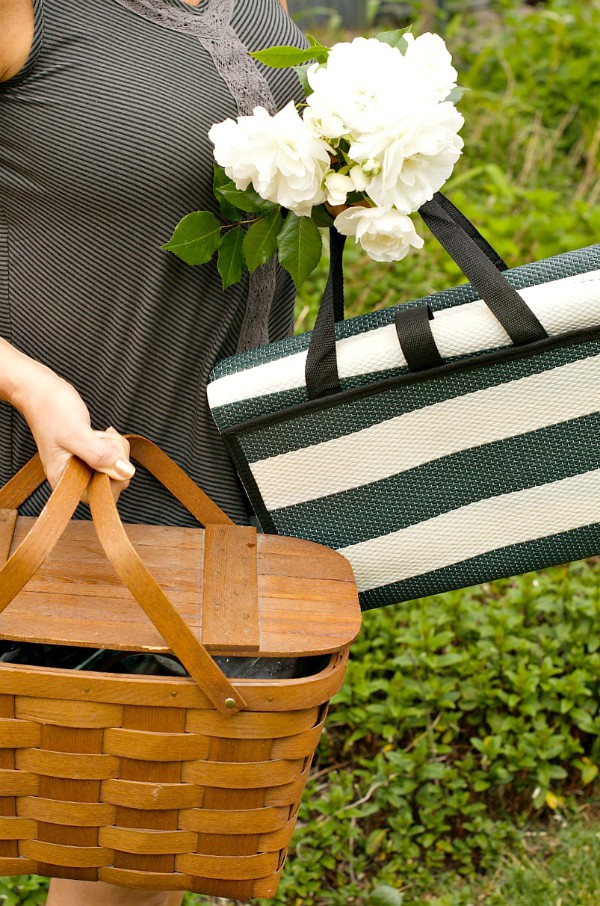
103,148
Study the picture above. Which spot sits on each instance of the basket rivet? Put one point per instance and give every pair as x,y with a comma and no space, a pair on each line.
230,702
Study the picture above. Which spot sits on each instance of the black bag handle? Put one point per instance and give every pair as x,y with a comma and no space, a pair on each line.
469,228
506,304
478,260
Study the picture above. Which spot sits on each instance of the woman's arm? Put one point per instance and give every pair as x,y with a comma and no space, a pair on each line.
59,419
16,36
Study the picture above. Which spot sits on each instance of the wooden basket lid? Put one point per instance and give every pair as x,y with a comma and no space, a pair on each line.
240,592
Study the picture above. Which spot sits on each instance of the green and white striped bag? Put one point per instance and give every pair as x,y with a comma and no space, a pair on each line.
436,444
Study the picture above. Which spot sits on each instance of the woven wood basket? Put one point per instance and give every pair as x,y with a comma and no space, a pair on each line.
173,783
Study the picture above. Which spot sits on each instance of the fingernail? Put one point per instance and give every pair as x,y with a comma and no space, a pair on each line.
100,433
124,469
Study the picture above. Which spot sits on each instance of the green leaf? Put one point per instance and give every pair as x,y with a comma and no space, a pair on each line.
222,181
220,177
321,216
300,245
196,238
394,38
385,896
301,73
456,94
260,242
589,770
283,56
246,200
231,257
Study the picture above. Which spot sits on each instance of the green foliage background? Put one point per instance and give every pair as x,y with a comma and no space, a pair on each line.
529,174
469,717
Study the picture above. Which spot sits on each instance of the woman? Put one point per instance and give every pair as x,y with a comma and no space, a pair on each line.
104,113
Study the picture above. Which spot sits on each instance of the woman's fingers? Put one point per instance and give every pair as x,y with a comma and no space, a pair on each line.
111,455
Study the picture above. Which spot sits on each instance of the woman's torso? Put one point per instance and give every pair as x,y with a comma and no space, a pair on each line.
103,148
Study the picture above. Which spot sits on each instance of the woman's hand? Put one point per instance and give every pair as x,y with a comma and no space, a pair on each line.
60,423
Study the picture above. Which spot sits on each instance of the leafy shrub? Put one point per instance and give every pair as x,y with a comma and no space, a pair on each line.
463,715
23,890
539,79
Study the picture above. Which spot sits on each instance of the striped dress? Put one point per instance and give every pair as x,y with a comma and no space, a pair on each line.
103,149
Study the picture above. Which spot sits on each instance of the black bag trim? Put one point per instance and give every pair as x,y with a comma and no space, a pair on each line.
413,327
462,221
321,360
250,486
507,353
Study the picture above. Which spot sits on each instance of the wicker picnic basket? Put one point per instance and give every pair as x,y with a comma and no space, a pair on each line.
174,783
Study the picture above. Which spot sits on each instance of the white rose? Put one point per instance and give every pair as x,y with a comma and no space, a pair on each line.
229,139
385,235
337,186
324,124
358,86
360,180
430,64
285,162
415,159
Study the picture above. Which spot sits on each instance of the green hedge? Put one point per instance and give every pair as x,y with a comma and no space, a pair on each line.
463,715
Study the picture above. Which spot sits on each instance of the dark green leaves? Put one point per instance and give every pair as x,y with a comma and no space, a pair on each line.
256,232
234,200
199,235
299,244
321,216
196,238
260,242
231,257
245,199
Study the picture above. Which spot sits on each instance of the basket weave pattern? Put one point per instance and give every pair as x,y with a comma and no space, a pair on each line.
167,794
161,782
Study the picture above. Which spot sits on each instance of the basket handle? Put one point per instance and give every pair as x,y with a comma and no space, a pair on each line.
144,588
149,455
47,529
56,515
175,480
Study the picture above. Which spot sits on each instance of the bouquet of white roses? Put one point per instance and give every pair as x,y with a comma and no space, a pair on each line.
376,137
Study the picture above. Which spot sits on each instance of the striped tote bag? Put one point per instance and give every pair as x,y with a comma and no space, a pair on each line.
439,443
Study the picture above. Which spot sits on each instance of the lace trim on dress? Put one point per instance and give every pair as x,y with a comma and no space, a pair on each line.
249,88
